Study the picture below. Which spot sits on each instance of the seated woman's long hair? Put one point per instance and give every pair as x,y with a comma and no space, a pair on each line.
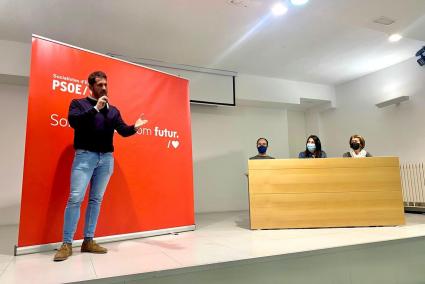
318,152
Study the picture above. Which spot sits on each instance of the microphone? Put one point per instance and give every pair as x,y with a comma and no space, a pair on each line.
106,102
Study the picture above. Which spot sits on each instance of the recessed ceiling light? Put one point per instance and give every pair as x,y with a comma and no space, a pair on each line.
279,9
384,21
298,2
239,3
395,37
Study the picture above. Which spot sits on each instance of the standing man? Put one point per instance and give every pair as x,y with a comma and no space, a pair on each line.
94,121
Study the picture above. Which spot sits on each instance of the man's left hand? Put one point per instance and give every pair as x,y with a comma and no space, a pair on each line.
140,121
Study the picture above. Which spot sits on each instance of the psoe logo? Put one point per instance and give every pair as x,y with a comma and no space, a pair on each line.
66,84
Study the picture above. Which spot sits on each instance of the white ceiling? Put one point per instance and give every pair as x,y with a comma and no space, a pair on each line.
326,41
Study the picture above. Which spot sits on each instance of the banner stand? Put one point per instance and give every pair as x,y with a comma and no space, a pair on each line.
108,239
151,190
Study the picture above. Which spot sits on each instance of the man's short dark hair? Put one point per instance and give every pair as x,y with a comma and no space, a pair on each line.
94,75
261,138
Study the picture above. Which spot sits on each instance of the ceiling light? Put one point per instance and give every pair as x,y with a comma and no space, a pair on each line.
384,21
239,3
279,9
395,37
298,2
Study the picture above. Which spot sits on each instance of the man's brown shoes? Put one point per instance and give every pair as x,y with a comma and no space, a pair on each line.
63,253
92,247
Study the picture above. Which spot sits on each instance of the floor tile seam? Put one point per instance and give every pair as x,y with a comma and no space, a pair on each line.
93,267
6,267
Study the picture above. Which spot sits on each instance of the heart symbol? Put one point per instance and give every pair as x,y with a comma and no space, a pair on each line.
175,144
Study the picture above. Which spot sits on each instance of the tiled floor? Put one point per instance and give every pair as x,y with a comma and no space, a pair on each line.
219,237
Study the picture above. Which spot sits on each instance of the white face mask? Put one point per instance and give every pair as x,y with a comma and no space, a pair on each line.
311,147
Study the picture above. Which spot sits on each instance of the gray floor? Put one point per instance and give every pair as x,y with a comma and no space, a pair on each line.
223,249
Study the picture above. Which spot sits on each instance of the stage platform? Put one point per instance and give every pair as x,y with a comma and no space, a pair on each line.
221,245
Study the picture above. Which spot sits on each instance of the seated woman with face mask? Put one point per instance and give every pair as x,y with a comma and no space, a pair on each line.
262,145
313,148
357,150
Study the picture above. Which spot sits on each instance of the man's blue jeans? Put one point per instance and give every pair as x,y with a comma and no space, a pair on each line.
95,168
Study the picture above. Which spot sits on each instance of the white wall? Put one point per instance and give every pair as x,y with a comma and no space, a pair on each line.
397,130
313,124
276,90
223,140
296,132
13,100
14,58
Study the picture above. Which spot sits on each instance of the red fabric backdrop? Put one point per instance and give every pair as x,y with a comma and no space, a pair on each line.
152,184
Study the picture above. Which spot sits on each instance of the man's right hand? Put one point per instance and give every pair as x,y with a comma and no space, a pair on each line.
101,102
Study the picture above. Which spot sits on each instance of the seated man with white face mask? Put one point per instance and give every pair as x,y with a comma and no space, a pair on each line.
262,145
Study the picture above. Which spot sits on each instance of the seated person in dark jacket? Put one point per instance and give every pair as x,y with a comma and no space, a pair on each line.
313,148
262,145
357,150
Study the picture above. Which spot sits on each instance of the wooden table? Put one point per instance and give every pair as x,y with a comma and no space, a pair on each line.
332,192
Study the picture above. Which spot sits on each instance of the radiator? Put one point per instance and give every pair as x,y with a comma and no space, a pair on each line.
413,185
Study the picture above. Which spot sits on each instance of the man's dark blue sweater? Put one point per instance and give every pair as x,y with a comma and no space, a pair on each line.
94,130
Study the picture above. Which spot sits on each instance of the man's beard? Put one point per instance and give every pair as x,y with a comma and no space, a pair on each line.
100,94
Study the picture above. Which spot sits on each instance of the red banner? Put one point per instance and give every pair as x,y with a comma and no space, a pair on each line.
152,184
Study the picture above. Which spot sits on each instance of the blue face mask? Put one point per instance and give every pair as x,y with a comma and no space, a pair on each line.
311,147
262,149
